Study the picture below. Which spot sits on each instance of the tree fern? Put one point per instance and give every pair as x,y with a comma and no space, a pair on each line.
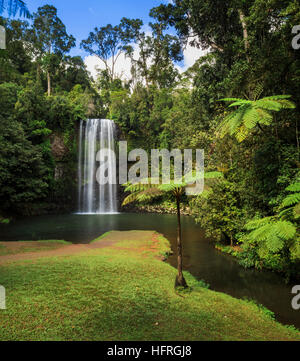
294,187
258,223
147,190
250,114
271,235
285,230
292,201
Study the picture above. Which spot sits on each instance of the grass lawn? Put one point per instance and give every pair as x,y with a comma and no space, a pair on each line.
122,291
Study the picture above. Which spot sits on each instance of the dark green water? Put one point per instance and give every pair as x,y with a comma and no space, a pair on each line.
200,258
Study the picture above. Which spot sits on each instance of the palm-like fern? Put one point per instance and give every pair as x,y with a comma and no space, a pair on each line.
13,7
292,201
270,234
273,234
146,191
250,114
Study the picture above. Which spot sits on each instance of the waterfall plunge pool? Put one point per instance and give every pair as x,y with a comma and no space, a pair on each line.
221,271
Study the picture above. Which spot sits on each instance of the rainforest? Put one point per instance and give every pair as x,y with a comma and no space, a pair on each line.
238,100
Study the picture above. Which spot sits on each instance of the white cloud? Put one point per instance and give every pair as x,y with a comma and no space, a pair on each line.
123,66
191,55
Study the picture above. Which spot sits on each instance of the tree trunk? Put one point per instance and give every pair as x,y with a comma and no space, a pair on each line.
245,32
49,83
180,281
38,73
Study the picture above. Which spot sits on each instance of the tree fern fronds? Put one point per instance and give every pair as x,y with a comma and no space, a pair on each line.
223,128
295,250
263,117
278,97
263,251
286,104
275,105
258,91
250,118
251,114
285,230
145,191
142,196
141,186
172,187
270,235
231,100
296,211
258,223
240,102
291,200
274,244
262,233
236,120
286,213
130,199
242,134
135,187
268,105
294,187
149,194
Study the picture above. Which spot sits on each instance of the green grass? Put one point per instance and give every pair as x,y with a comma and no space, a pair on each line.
121,293
101,237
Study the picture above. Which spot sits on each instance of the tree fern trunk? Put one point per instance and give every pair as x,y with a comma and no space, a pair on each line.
180,281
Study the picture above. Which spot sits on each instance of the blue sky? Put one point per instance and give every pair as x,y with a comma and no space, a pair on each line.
82,16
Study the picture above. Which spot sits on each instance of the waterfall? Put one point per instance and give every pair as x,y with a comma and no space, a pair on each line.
94,196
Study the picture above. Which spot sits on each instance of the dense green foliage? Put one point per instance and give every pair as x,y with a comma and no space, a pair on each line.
275,240
251,60
38,153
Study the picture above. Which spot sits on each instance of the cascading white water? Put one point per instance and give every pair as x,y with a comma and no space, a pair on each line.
94,198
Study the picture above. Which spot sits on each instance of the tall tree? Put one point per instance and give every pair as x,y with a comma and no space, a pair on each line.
49,38
107,43
156,53
209,24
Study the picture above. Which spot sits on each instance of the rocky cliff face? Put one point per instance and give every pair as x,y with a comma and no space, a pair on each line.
64,152
58,147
